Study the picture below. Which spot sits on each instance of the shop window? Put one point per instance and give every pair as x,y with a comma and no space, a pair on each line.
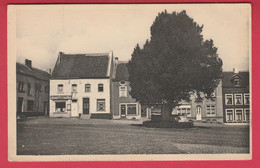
246,99
229,115
30,105
211,111
60,106
101,105
238,99
100,87
131,109
229,99
87,88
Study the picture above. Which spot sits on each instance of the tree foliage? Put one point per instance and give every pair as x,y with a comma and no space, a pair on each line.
174,63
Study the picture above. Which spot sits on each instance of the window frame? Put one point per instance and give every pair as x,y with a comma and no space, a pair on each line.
246,94
20,86
87,84
233,115
29,87
74,87
123,93
181,111
60,88
245,109
63,108
236,99
210,106
104,107
226,99
99,86
242,111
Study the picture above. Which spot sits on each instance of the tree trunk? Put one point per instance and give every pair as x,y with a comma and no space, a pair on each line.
166,113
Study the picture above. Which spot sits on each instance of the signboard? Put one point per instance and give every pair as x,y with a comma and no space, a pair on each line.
60,97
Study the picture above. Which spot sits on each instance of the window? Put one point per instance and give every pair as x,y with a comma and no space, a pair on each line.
60,88
184,111
238,115
229,99
122,91
131,109
74,87
68,107
128,109
229,115
21,86
101,105
29,89
236,82
60,106
238,99
87,87
247,114
46,89
100,87
211,110
246,99
30,105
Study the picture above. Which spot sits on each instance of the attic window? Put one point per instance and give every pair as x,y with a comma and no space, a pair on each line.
236,82
122,82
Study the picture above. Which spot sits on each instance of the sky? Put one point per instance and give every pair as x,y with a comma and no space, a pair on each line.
42,31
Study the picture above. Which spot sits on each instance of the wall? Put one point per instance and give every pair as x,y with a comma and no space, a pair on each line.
93,95
117,100
38,99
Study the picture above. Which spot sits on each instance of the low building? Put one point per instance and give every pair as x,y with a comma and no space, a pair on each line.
124,106
32,89
236,97
80,86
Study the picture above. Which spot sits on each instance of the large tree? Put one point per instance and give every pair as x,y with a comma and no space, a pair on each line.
174,63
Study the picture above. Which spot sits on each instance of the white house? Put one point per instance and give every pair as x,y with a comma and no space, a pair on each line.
80,86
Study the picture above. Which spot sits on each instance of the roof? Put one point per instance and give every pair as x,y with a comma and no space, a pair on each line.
227,80
34,72
81,66
122,72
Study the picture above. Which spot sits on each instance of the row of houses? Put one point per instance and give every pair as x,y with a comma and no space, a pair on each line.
97,86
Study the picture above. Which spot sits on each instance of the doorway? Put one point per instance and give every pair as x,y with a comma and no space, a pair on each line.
74,108
19,105
198,113
85,105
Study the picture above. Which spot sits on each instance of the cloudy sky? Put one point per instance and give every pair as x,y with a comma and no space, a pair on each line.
44,30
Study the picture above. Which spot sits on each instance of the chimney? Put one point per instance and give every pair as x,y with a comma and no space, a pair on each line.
60,53
49,71
235,71
28,63
116,60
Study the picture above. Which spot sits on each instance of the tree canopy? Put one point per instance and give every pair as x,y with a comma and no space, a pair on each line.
175,62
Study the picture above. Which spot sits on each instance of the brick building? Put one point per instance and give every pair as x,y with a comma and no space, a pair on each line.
32,89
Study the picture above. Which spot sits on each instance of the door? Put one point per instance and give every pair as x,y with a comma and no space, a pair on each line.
198,113
19,105
123,110
85,105
74,108
46,108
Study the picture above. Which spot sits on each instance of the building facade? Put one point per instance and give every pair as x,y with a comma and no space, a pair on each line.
205,109
32,89
236,97
123,105
80,86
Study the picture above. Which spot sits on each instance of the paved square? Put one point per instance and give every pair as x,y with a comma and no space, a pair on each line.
66,136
